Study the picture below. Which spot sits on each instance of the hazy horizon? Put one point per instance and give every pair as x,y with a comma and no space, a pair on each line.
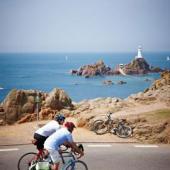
89,26
77,52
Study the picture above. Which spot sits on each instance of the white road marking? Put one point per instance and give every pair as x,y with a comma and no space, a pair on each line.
11,149
100,145
146,146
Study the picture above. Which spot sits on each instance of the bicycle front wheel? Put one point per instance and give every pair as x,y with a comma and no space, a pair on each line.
77,165
26,160
100,127
124,131
67,156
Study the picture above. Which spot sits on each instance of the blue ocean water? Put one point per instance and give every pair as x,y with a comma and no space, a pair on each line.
45,71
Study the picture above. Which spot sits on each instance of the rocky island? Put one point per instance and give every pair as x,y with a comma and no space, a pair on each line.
137,66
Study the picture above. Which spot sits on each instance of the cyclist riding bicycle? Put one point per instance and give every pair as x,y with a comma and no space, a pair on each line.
61,137
44,132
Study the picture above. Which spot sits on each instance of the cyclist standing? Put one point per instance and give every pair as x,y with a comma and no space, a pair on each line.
61,137
44,132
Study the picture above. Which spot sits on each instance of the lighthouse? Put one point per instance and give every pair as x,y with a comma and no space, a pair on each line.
139,52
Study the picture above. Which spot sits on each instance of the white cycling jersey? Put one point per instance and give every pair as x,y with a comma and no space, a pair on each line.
49,128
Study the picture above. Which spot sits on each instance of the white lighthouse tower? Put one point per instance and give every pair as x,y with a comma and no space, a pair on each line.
139,52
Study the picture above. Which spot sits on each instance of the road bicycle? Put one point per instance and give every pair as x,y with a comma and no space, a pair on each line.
118,127
27,159
33,161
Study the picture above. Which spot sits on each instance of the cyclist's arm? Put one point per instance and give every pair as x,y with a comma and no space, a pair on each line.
75,148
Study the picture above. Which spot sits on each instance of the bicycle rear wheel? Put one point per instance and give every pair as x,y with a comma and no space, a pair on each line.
26,161
100,127
77,165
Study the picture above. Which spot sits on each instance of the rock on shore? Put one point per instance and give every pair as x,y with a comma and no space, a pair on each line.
21,104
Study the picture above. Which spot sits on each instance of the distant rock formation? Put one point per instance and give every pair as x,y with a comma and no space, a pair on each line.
137,66
108,82
99,68
121,82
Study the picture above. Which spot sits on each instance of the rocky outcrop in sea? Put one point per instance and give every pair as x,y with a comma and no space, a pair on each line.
99,68
139,66
136,66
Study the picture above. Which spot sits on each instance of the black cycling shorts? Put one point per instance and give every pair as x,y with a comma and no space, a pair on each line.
40,140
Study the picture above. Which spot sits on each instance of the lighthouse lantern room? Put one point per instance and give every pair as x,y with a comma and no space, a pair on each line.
139,52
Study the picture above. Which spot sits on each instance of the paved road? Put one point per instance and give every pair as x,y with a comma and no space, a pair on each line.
105,156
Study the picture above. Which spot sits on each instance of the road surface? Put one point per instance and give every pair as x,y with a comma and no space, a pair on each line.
103,156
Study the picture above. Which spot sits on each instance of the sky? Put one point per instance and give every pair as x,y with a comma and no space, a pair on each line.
84,25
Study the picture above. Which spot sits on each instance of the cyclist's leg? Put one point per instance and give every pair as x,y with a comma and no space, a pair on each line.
40,144
55,166
55,157
40,140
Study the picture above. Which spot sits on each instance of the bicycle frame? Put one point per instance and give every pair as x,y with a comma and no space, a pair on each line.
70,163
109,122
118,127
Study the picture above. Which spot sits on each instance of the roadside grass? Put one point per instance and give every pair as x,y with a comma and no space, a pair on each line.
163,113
152,127
158,115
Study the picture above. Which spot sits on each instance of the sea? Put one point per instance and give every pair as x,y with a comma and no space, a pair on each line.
46,71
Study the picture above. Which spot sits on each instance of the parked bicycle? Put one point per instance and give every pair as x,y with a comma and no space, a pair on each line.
37,161
117,127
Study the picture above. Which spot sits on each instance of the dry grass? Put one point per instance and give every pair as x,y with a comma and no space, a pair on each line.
152,127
